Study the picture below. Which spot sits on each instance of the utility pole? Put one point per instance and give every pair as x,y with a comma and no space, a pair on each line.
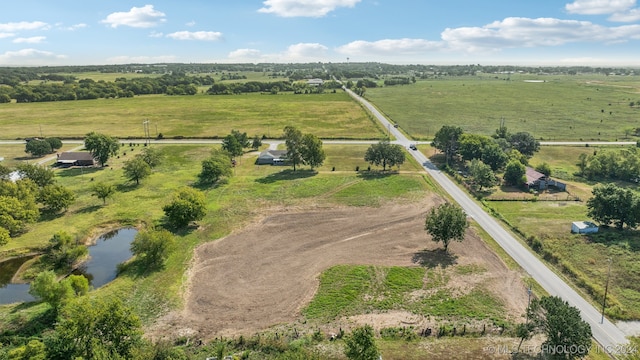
145,125
606,289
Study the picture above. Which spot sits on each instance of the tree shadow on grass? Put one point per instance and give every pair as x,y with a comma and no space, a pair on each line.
376,174
126,187
287,175
609,236
38,323
434,258
88,209
75,171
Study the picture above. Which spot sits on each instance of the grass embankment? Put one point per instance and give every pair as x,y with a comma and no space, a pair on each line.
547,225
197,116
560,108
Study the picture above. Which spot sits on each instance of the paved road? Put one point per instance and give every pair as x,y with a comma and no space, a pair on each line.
607,334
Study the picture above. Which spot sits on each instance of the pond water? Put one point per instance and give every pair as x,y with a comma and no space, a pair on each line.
109,250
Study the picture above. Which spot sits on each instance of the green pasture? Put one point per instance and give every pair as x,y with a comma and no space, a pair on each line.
559,108
14,154
350,290
329,115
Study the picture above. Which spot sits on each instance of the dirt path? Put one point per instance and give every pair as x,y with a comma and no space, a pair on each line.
265,274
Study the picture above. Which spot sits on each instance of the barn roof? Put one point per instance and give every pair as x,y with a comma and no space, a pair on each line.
533,175
73,156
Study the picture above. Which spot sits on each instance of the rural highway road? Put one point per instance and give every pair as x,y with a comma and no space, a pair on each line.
610,338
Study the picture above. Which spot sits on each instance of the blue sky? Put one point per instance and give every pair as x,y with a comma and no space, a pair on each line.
517,32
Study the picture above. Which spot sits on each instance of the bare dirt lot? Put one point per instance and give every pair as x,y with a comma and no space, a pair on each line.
266,273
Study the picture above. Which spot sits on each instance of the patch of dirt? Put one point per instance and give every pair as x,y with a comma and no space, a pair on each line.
267,273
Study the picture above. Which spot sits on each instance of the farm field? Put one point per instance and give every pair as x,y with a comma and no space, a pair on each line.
558,108
200,116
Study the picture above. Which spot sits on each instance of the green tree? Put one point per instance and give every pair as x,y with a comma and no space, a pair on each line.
361,344
563,326
17,213
472,146
216,166
54,142
63,251
514,173
525,143
4,236
101,146
94,328
611,203
583,160
446,140
231,145
242,138
544,168
38,148
256,143
293,141
481,174
187,205
33,350
494,156
103,191
311,150
152,247
385,154
40,175
56,198
445,223
136,169
56,293
152,156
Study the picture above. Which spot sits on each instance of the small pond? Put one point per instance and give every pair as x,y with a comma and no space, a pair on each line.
109,250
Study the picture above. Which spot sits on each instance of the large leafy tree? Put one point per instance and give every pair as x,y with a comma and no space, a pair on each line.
4,236
152,156
447,140
445,223
188,205
361,344
56,198
525,143
152,247
231,145
101,146
38,147
481,174
385,154
472,145
311,150
494,156
613,204
215,167
94,328
136,169
40,175
63,251
568,336
243,138
514,173
54,142
55,293
293,141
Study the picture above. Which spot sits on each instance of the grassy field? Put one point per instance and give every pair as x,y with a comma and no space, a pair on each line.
560,108
192,116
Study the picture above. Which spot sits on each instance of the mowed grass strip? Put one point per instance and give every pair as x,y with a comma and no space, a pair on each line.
560,108
329,115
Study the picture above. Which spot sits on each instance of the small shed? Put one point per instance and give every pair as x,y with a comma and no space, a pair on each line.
79,158
584,227
271,157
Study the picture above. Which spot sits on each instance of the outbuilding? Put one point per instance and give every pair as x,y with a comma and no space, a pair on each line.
272,157
75,158
584,227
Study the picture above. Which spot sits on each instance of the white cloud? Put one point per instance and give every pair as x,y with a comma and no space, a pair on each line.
24,25
196,35
77,26
191,23
304,8
599,7
29,40
389,47
245,54
627,16
303,51
29,57
124,59
525,32
143,17
6,35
